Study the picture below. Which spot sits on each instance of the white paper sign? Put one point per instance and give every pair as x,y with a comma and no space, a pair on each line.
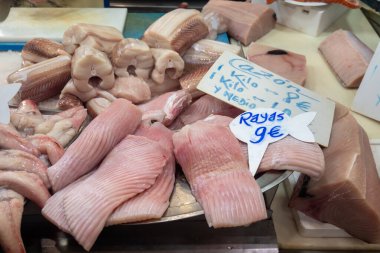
247,86
260,127
7,92
367,98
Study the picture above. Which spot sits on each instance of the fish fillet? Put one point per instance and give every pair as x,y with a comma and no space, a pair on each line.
348,56
11,139
152,203
16,160
347,195
27,184
287,64
11,208
130,168
203,107
96,140
218,175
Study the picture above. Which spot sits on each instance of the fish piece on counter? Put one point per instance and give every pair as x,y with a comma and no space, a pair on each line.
246,21
63,126
11,208
218,175
11,139
132,88
48,146
27,184
292,154
176,30
166,63
152,203
17,160
203,107
347,195
206,52
132,57
42,80
40,49
96,140
84,96
130,168
157,89
97,105
91,68
27,117
101,37
67,101
287,64
191,79
216,24
171,104
347,55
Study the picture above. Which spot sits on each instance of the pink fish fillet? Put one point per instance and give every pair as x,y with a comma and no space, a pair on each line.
130,168
11,139
203,107
348,56
347,195
17,160
287,64
27,184
47,145
218,174
171,104
285,154
152,203
11,208
96,140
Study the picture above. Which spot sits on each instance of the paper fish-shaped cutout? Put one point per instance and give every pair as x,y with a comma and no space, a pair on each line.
260,127
7,92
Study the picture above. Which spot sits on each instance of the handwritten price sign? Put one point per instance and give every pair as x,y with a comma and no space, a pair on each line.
248,86
260,127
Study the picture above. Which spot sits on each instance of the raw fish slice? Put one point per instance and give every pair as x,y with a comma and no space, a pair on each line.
132,88
203,107
11,208
16,160
152,203
27,184
191,79
130,168
96,140
26,117
348,193
348,56
168,85
287,64
218,175
11,139
47,145
246,21
171,104
40,49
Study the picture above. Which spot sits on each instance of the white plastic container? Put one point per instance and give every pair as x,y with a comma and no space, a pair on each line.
310,18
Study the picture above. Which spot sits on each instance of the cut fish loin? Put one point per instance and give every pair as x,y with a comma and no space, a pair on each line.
348,56
130,168
152,203
96,140
218,174
347,195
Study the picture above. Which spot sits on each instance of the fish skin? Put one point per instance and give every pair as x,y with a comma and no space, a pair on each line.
135,164
152,203
97,139
218,175
11,208
347,196
27,184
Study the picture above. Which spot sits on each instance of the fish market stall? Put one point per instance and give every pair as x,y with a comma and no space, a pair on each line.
130,150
